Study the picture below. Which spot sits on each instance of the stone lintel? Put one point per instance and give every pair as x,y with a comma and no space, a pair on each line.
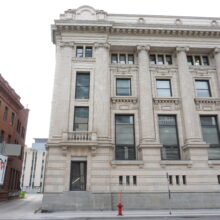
165,163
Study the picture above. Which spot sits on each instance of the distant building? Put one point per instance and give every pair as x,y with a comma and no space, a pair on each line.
33,166
13,124
136,106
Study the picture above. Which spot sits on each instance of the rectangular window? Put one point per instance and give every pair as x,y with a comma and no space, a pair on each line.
190,60
177,180
122,59
130,59
81,116
135,180
205,60
2,136
170,180
5,115
82,85
169,137
114,58
184,179
163,87
120,180
152,59
202,88
79,51
88,52
9,139
218,178
124,137
123,87
169,59
127,180
198,61
12,118
160,59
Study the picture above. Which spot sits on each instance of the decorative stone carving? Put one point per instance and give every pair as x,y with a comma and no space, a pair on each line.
143,47
102,44
83,60
166,104
159,70
124,100
207,104
123,69
65,44
202,71
182,49
178,21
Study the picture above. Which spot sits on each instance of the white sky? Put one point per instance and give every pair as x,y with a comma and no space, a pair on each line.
27,55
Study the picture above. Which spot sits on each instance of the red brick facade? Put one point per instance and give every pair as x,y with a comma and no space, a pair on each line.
13,124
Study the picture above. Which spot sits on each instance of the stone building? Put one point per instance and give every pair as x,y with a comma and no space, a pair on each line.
13,126
136,106
34,166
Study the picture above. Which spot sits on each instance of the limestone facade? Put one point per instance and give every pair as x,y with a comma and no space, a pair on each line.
182,39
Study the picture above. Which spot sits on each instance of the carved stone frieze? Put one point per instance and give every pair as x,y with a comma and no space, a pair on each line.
163,70
166,104
83,60
202,71
124,103
207,104
123,69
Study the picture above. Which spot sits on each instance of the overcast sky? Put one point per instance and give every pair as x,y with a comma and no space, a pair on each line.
27,55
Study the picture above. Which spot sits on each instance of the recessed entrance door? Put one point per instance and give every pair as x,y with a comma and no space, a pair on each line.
78,176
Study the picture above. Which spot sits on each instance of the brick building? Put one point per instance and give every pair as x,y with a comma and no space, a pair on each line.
13,124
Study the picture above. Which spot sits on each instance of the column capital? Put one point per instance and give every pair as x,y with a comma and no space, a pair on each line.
217,50
182,49
143,47
102,45
65,44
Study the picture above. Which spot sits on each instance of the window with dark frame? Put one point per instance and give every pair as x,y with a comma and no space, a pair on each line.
160,59
88,52
12,118
5,115
170,179
135,180
205,60
120,180
123,87
202,88
152,59
114,58
190,60
169,137
2,136
124,137
210,133
79,51
177,180
169,59
82,85
198,61
218,178
122,58
81,117
130,59
164,88
184,179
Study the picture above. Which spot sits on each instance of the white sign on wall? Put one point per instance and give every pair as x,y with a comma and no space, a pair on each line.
3,164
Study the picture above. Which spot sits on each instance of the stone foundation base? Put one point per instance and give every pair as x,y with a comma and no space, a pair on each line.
76,201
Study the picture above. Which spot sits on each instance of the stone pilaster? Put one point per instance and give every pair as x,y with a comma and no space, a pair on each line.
102,92
147,125
61,90
191,123
217,63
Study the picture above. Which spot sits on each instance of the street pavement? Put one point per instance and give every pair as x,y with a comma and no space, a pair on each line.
29,208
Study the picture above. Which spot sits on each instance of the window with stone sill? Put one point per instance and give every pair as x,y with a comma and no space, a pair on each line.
122,58
82,85
161,59
198,60
163,88
202,88
123,87
84,51
81,119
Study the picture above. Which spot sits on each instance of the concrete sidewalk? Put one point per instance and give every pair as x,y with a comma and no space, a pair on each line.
29,208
